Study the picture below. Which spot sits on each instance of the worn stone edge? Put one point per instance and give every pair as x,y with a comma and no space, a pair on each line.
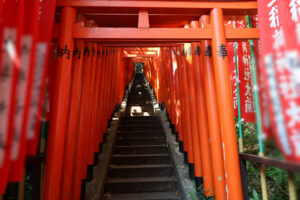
99,178
97,185
186,185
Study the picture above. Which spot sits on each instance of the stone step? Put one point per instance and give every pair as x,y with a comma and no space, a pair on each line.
141,131
144,196
135,107
140,104
139,101
141,184
144,113
139,94
127,171
140,141
140,134
140,166
141,159
139,128
141,149
140,122
143,118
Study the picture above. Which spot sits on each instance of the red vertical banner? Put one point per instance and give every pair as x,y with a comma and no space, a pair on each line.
240,51
46,21
11,50
1,28
27,60
279,68
231,61
245,77
289,14
265,118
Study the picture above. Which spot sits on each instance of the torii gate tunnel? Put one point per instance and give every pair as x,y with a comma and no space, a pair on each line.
96,45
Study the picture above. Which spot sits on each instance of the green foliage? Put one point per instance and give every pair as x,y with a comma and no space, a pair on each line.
255,195
254,186
200,194
139,67
28,188
249,136
277,179
12,191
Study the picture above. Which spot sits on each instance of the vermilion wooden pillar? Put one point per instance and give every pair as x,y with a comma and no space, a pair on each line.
115,79
180,95
121,87
161,80
172,93
92,93
118,76
100,100
225,105
186,116
108,87
164,78
167,67
111,82
106,80
57,128
97,122
102,96
72,124
110,75
213,117
178,124
202,120
80,163
157,79
88,59
191,97
169,89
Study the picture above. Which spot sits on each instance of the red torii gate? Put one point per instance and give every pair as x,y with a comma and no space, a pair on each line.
142,23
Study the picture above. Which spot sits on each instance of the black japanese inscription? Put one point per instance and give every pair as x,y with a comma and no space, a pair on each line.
87,51
197,50
65,51
208,51
77,52
222,52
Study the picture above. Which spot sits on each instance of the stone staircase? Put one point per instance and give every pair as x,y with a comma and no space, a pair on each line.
141,166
